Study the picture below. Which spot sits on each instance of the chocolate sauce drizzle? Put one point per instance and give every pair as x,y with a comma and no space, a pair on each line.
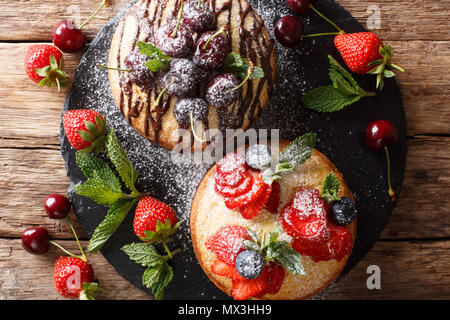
251,46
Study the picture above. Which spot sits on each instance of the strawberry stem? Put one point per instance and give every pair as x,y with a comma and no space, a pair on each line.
65,250
193,129
220,31
169,254
76,238
172,254
94,14
111,68
397,67
180,15
390,191
326,19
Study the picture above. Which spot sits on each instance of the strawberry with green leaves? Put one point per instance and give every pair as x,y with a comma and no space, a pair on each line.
44,65
85,129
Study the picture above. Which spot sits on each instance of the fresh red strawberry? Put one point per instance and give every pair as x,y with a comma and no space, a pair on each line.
85,129
339,245
225,270
148,212
276,275
363,52
254,193
244,289
274,200
305,217
235,191
252,209
70,275
228,242
44,65
230,170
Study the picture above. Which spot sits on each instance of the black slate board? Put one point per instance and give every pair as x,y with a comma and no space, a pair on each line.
340,138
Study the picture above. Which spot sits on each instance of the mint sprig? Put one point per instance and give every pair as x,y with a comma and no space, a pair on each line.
237,65
278,251
158,273
343,91
293,156
158,60
330,188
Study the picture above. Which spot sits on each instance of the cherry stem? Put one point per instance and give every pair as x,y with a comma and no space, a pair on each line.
391,191
64,250
193,129
320,34
326,19
220,31
111,68
199,4
249,74
158,100
180,15
94,14
76,238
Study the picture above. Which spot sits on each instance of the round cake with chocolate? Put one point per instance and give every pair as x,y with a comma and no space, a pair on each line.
195,65
262,231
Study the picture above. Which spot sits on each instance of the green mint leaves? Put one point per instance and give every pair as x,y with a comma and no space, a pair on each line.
343,92
293,156
278,251
104,187
158,273
237,65
159,61
330,188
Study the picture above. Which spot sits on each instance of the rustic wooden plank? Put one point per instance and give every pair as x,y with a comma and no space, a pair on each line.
27,176
400,20
30,112
26,276
409,270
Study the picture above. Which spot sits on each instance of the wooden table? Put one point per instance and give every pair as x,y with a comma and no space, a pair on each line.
413,251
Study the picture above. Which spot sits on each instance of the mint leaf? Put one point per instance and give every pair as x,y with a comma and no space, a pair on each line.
159,61
143,253
121,161
330,188
336,68
99,191
90,165
327,99
237,65
116,213
288,258
293,156
157,278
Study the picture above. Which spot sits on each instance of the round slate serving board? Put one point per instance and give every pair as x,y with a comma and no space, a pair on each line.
340,137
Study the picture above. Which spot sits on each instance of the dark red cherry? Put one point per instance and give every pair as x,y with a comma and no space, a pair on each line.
299,6
198,16
289,30
35,240
182,79
380,133
212,54
57,206
179,46
139,74
68,38
222,92
185,107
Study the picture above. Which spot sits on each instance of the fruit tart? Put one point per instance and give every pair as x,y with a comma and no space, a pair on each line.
173,64
283,233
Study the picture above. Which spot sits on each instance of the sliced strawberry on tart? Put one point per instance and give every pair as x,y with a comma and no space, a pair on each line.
283,231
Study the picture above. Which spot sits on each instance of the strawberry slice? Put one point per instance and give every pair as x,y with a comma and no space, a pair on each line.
222,269
339,245
274,280
254,193
230,170
242,188
274,200
251,210
244,289
228,242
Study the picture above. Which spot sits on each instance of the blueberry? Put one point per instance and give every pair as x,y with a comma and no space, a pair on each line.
184,107
344,212
249,264
258,156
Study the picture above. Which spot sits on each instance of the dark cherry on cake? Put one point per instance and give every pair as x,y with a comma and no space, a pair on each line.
186,107
182,79
211,49
177,44
289,30
198,16
139,74
223,90
35,240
